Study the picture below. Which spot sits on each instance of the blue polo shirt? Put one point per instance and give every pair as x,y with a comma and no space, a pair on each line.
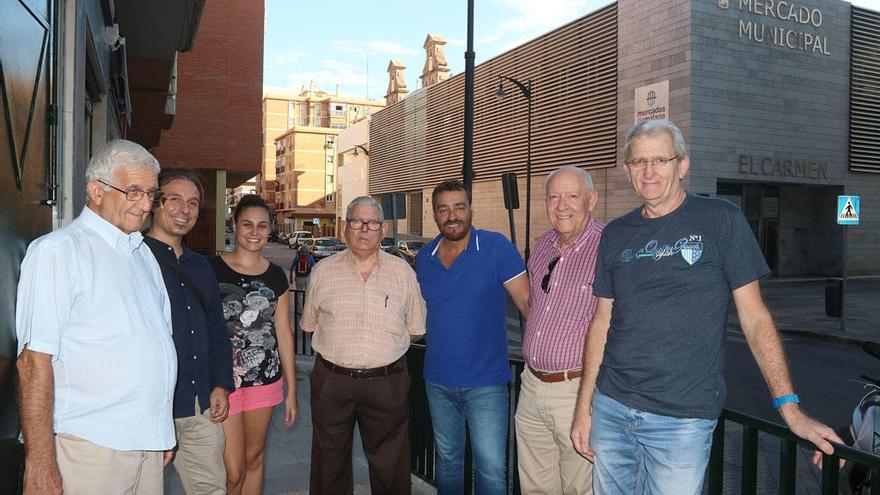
466,325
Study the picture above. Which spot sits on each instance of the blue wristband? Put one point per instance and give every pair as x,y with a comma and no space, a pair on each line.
785,399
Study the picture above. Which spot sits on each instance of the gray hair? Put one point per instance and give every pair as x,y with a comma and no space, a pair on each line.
116,155
367,201
653,127
587,178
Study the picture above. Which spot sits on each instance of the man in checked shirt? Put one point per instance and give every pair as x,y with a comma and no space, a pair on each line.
364,306
562,305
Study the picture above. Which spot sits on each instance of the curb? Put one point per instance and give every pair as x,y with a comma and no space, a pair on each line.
833,338
825,337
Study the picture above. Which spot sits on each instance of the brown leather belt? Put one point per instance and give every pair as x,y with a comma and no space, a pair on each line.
364,373
556,376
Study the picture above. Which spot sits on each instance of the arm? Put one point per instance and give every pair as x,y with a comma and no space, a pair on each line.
36,404
288,360
220,354
594,352
308,322
518,288
416,311
766,347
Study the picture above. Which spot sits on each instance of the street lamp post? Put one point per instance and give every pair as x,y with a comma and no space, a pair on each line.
526,90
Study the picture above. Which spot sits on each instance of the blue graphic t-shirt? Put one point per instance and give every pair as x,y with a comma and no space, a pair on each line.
671,280
249,303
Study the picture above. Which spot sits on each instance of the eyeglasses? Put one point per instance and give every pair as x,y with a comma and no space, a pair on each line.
357,224
175,202
133,193
655,162
545,282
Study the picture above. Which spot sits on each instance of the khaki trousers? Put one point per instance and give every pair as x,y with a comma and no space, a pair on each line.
199,457
547,460
90,469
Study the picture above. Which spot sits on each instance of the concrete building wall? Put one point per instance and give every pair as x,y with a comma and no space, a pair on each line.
309,169
770,106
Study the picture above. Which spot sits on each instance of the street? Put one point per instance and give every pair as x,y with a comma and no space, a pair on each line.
825,376
825,366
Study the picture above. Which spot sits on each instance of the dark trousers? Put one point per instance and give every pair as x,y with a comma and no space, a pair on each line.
381,410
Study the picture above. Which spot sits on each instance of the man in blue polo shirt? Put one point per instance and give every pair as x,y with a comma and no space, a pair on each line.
204,351
465,275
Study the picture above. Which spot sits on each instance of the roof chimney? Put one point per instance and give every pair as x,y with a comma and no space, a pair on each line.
396,82
436,69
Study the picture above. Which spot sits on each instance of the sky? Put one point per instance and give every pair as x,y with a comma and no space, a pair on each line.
350,42
310,41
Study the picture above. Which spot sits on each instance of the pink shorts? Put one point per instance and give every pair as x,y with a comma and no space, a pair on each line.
251,398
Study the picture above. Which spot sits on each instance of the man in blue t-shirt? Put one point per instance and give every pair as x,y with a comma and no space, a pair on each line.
653,384
465,276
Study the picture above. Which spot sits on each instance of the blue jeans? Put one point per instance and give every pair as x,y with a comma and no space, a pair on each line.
643,453
485,411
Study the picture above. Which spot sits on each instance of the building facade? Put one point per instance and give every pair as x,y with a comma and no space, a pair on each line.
218,117
73,75
776,101
352,166
300,133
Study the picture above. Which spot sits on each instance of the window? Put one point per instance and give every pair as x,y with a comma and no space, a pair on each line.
337,126
303,113
337,109
331,139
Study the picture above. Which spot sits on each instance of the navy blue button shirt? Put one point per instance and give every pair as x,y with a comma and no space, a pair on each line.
204,352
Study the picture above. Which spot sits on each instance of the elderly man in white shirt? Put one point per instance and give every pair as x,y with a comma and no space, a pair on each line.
96,361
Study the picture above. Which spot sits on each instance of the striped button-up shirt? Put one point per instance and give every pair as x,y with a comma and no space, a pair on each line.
559,318
363,324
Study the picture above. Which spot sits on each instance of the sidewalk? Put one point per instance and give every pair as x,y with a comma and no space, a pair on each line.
798,307
288,451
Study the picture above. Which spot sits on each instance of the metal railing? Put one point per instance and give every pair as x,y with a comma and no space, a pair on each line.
421,433
422,436
302,341
788,443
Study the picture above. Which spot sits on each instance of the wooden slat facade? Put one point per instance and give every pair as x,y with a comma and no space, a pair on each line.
419,141
864,119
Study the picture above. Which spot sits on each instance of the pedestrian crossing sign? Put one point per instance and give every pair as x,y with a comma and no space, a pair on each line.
848,210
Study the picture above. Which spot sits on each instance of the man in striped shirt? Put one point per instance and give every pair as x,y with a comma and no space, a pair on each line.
562,304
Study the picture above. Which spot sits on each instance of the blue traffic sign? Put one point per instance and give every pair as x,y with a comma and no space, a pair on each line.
848,210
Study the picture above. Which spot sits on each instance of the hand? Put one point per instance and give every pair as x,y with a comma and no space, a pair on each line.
809,429
290,408
219,404
167,456
39,480
580,435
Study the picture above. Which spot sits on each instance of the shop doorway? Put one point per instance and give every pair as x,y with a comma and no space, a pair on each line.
760,205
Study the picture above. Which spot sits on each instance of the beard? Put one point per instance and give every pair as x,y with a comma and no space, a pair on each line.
456,236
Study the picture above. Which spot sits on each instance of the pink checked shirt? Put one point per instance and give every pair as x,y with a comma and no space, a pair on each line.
558,320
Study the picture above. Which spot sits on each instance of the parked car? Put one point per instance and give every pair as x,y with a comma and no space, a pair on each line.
323,247
410,247
387,243
411,260
297,237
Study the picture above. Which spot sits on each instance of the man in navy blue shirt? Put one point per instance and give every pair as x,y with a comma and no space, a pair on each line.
204,352
465,276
